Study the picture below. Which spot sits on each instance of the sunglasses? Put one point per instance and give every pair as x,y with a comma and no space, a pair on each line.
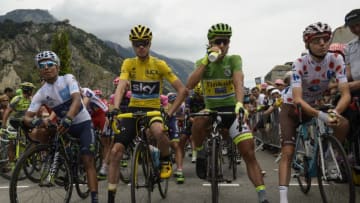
139,43
49,64
220,41
317,40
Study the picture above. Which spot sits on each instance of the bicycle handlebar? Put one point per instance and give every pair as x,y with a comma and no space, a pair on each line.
133,115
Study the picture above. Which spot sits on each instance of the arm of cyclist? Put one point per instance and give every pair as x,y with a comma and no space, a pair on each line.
5,117
119,93
238,78
182,93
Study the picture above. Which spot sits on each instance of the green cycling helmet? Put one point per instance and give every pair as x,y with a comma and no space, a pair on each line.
220,29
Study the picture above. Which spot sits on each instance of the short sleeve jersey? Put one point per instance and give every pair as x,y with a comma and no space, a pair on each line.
57,96
352,58
217,81
146,80
315,77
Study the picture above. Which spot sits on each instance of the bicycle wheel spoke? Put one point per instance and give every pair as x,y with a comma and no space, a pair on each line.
140,186
28,190
336,178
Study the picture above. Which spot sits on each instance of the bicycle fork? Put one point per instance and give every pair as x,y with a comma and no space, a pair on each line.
328,153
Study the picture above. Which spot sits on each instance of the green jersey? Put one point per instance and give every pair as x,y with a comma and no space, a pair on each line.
217,83
19,104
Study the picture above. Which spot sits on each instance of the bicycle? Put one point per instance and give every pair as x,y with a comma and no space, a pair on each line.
145,171
213,150
56,167
18,137
319,153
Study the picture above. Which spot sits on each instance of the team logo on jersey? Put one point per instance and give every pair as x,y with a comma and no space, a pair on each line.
145,88
227,72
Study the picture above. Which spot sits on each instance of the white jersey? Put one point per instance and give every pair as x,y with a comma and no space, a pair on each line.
94,101
314,77
57,97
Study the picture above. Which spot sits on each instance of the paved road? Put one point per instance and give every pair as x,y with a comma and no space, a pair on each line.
195,190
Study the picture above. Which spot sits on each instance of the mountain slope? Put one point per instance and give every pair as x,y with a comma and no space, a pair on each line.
94,62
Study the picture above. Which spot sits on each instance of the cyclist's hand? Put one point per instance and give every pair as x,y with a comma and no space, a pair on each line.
334,116
64,125
240,107
115,112
329,119
36,122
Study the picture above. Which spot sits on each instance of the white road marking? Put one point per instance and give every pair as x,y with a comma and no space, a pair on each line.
223,184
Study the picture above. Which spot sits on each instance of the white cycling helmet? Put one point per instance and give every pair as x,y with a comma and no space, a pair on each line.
46,55
315,29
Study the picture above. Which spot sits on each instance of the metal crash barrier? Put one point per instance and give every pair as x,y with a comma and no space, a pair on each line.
266,128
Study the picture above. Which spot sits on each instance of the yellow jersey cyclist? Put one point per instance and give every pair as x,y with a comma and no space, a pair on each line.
222,82
145,74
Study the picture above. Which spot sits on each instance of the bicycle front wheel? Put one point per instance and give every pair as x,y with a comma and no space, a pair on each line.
301,166
214,172
141,186
335,180
36,191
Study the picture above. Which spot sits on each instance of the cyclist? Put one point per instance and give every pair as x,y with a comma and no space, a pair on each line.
193,104
175,134
97,109
16,110
145,74
62,95
311,75
222,83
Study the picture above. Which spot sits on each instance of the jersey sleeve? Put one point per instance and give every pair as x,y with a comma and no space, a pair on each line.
14,102
125,69
236,63
35,102
166,71
340,69
297,73
72,83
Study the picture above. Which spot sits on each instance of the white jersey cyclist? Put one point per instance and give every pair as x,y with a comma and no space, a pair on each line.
95,102
57,96
314,77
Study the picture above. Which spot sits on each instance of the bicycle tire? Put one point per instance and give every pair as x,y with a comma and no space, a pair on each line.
232,160
98,151
125,169
63,180
214,172
303,178
81,183
140,175
163,185
341,184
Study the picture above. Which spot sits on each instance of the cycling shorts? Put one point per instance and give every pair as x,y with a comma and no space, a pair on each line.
128,126
85,133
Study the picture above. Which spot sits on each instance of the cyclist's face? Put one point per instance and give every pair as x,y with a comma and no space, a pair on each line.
222,43
49,72
142,48
319,44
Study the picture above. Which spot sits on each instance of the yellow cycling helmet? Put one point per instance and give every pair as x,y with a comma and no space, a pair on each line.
27,86
140,32
198,89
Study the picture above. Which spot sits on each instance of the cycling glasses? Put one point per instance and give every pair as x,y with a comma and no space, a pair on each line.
317,39
49,64
220,41
139,43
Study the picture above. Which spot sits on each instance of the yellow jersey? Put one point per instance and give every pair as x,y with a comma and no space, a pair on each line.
146,80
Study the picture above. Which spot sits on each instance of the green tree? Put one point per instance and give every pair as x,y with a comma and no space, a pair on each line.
60,45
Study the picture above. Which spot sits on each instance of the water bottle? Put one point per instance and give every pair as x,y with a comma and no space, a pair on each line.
155,154
214,55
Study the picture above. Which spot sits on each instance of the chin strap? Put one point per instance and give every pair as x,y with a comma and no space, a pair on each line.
317,56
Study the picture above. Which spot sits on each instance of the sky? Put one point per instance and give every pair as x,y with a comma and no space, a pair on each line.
265,32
